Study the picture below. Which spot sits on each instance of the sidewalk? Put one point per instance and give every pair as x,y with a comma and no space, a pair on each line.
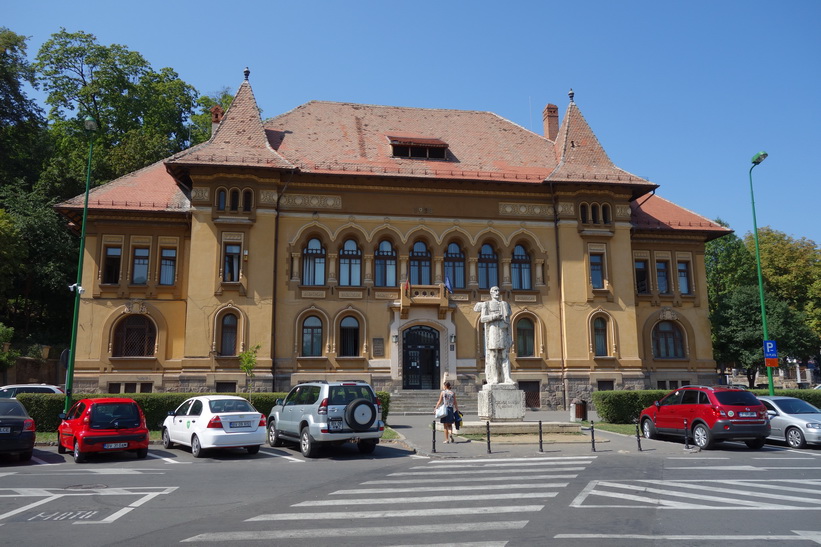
417,434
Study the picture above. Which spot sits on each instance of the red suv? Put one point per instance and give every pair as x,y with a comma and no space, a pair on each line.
108,424
708,415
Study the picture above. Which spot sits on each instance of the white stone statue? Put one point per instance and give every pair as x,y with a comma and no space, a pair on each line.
495,316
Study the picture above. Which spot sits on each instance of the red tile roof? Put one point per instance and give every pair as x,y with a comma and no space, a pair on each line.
654,213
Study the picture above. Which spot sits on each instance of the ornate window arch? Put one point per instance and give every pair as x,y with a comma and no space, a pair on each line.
349,336
521,269
668,340
488,266
420,263
385,264
312,336
135,335
313,263
350,264
455,265
229,329
234,200
525,337
221,201
247,200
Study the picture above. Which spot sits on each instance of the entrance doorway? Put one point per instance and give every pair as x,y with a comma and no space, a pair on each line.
420,358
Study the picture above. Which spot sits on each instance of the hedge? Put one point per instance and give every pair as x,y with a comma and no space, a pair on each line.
44,408
624,407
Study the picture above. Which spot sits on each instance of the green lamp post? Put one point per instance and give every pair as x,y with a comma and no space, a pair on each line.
90,126
757,159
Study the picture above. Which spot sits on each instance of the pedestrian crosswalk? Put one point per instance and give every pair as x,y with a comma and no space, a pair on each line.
480,500
713,494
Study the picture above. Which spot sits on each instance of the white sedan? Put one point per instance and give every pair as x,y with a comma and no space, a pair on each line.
214,421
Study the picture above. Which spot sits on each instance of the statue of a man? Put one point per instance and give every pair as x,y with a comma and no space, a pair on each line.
495,316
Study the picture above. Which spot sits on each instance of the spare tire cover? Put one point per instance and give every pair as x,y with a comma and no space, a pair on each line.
360,414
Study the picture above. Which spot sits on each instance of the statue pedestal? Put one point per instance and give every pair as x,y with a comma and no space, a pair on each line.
501,403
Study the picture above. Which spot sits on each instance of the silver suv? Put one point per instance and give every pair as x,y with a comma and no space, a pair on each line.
11,391
317,413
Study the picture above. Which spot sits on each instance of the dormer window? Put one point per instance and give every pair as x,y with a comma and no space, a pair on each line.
418,148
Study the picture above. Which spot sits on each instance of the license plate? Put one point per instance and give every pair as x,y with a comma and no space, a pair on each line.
747,414
240,424
110,446
336,425
5,429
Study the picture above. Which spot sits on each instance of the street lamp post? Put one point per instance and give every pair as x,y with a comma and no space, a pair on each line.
90,126
758,158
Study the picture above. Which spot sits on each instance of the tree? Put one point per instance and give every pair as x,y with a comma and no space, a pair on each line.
201,123
142,113
729,265
248,362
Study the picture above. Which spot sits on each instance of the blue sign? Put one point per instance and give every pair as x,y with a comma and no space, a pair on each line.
770,351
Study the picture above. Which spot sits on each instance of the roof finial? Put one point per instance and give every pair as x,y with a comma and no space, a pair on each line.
247,73
569,94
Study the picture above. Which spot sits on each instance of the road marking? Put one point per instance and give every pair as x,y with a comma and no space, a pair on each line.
742,468
474,472
426,499
263,535
448,488
283,456
433,512
801,536
473,479
506,461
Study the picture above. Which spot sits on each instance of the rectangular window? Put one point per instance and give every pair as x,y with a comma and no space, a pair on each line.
642,277
111,265
684,285
663,276
168,266
139,269
231,262
597,271
226,387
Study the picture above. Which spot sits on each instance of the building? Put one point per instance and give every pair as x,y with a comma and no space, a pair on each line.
353,241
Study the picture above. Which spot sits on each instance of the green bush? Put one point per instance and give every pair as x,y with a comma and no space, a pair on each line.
45,407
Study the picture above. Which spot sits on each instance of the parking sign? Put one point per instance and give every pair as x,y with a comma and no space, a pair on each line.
770,353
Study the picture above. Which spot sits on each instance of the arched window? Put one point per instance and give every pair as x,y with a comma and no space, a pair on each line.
349,337
420,264
594,213
584,215
488,267
520,269
234,200
228,335
313,263
525,340
455,266
134,336
605,214
600,337
350,264
668,342
247,200
312,337
385,265
221,199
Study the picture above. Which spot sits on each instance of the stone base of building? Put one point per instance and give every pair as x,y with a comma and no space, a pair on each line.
501,403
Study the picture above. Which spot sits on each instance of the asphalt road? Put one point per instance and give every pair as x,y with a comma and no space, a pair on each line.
565,495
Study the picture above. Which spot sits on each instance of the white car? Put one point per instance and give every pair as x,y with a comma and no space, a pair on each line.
214,421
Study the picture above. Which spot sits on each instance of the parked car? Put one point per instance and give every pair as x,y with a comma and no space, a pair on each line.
793,420
17,430
214,421
107,424
708,415
321,413
12,390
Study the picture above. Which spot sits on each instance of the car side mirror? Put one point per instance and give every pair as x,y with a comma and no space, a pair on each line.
278,402
657,404
62,415
172,413
772,413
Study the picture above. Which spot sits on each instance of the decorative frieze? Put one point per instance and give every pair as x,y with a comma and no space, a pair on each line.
525,209
386,295
267,197
310,201
200,193
313,294
524,298
350,294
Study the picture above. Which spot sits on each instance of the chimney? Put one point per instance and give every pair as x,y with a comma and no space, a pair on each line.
216,117
551,121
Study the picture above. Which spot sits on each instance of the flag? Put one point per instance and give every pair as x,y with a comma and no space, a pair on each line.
447,285
407,287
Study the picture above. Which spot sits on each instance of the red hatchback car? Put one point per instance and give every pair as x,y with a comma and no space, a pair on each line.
110,424
708,415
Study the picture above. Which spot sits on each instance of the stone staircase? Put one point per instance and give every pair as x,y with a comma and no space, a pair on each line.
421,402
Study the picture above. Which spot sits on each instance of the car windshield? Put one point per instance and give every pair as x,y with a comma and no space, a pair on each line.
6,393
114,416
12,408
342,395
796,406
230,405
737,398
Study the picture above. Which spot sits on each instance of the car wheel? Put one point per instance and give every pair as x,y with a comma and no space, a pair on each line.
307,444
273,436
367,447
648,429
252,449
26,456
702,437
795,438
60,448
755,443
196,447
360,414
166,439
79,457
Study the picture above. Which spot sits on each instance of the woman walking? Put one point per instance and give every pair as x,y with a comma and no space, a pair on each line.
448,398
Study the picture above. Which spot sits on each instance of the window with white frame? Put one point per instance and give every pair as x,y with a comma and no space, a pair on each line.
313,263
488,267
312,337
385,265
168,266
231,261
111,265
139,266
685,285
520,269
350,264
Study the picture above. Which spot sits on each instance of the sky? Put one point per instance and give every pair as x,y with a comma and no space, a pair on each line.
680,93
